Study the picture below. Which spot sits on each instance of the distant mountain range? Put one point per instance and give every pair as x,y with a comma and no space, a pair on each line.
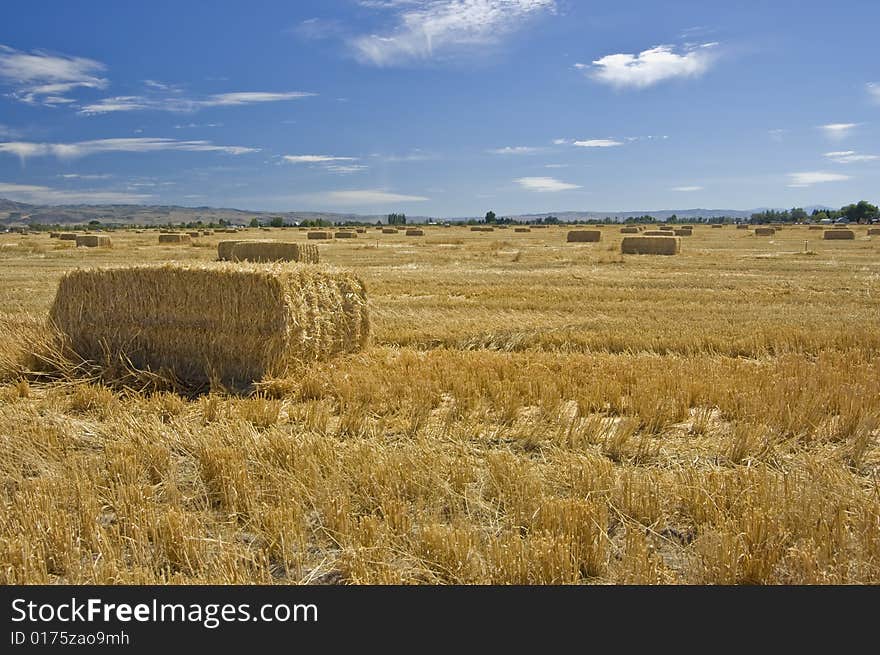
20,213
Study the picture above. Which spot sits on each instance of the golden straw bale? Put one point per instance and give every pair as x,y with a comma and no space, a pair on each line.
273,251
193,235
389,230
232,322
174,237
650,245
319,234
54,235
656,233
522,229
874,231
717,225
93,241
629,229
839,234
345,234
816,227
415,232
584,236
683,232
67,236
764,231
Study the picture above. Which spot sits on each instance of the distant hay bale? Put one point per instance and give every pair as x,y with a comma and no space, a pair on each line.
271,251
629,229
193,235
174,238
667,228
361,230
319,235
655,233
683,232
584,236
717,225
839,234
874,231
54,235
67,236
650,245
742,226
816,227
232,322
480,228
765,231
522,229
93,241
414,232
389,230
539,227
345,234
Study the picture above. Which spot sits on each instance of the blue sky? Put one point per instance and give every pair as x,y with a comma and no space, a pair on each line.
441,107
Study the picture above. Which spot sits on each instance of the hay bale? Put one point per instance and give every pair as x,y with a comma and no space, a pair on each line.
174,237
272,251
874,231
683,232
480,228
839,234
54,235
650,245
816,227
345,234
656,233
667,228
742,226
629,229
93,241
67,236
319,235
389,230
765,231
717,225
584,236
193,235
224,250
361,230
233,322
522,229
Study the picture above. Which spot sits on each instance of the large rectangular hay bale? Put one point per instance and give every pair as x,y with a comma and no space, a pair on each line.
816,227
874,231
92,241
683,232
839,234
224,250
174,237
629,229
389,230
666,228
656,233
717,225
193,235
345,234
273,251
67,236
584,236
650,245
522,229
415,232
742,226
764,231
320,234
233,322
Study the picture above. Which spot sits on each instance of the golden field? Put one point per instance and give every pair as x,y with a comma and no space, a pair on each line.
529,411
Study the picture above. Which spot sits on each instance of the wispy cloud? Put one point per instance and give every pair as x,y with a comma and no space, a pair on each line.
25,149
192,126
777,134
314,159
424,29
597,143
47,195
359,197
873,89
849,157
41,78
555,165
687,188
181,104
77,176
544,184
649,67
810,178
838,130
515,150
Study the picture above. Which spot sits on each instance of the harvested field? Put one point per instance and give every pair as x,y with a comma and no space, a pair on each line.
522,229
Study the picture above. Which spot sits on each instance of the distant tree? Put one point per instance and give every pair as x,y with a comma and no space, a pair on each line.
254,222
277,221
490,216
396,219
797,214
862,211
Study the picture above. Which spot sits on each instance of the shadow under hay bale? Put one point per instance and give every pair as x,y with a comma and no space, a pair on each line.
93,241
650,245
272,251
584,236
838,234
232,323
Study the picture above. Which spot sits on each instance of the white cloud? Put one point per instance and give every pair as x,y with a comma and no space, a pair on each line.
426,28
560,142
597,143
25,149
46,195
345,168
687,188
42,78
814,177
873,90
360,197
651,66
849,157
176,103
315,159
77,176
515,150
555,165
544,184
838,130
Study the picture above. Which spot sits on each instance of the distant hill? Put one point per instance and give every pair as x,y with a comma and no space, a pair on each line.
19,213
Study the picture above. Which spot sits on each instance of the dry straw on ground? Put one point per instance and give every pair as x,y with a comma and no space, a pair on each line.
584,236
234,323
839,234
174,238
93,241
272,251
650,245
